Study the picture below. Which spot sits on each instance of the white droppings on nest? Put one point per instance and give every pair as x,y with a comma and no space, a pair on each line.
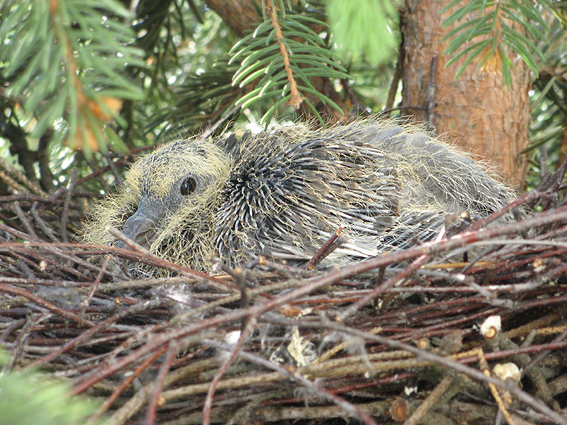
507,371
300,349
230,339
491,326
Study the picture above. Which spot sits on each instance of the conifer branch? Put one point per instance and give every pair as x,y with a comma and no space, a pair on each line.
296,98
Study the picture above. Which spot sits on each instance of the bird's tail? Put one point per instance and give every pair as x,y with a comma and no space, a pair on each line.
437,172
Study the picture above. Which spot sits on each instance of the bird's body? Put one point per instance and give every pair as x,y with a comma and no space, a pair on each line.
283,193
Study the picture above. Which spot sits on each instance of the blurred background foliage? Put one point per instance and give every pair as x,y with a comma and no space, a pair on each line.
82,82
33,398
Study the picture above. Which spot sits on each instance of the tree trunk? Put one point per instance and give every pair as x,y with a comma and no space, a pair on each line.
240,15
476,111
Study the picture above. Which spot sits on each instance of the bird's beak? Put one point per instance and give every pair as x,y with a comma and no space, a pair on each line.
140,227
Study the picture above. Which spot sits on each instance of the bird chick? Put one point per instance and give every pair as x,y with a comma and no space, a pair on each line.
282,193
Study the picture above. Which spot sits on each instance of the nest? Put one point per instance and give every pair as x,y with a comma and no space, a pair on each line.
421,335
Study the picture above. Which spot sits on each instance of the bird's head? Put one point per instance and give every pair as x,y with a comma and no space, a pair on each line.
169,198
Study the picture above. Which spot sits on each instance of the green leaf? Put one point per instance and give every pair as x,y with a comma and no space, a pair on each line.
33,398
259,43
465,37
259,95
267,117
315,112
520,48
506,68
322,98
301,58
523,13
474,52
252,77
270,51
456,16
519,39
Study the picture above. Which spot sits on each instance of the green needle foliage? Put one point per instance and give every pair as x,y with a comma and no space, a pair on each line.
31,398
548,106
499,29
201,99
65,60
263,56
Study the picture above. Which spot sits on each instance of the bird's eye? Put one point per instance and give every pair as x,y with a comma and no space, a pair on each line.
188,186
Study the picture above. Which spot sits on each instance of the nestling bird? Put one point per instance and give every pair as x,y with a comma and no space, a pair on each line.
282,193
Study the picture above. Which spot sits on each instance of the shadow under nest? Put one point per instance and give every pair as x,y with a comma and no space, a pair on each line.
394,338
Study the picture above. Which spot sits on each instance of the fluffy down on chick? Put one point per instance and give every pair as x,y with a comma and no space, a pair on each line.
283,193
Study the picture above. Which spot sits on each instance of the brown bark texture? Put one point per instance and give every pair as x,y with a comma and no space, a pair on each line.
475,111
239,15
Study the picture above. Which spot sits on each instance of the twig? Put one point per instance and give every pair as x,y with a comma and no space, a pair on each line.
296,98
348,407
122,387
23,218
158,386
431,399
18,344
85,303
68,196
43,303
382,288
328,247
147,255
244,335
83,337
541,354
473,373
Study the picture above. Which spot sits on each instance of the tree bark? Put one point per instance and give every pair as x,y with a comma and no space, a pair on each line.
476,111
240,15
